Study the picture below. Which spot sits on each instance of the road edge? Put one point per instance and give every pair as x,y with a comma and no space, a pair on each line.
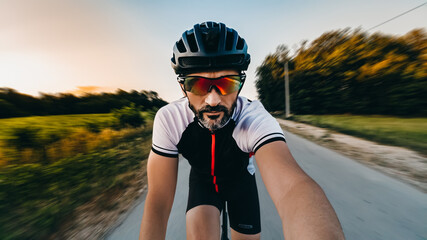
398,162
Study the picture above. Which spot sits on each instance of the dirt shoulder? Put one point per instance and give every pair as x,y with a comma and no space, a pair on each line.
401,163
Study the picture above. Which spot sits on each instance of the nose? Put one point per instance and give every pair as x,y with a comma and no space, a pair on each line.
213,98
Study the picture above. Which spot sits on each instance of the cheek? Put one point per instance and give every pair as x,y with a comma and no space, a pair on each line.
195,100
229,100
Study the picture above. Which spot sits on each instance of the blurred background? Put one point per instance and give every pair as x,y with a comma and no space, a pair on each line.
81,81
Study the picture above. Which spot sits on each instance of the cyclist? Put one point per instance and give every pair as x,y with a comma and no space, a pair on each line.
220,133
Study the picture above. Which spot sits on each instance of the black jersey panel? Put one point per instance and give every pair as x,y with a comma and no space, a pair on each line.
231,161
196,146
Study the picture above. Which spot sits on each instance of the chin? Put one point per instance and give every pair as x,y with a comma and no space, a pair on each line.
212,124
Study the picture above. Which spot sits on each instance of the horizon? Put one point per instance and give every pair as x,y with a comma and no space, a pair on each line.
69,46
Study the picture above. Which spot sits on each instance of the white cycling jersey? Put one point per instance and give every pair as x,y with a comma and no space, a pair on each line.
176,130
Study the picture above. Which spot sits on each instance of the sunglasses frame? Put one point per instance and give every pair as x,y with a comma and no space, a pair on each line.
242,75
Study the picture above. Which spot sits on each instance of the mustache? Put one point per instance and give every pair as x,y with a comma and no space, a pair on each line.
217,108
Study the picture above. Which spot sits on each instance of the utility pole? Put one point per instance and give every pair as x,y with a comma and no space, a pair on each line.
287,104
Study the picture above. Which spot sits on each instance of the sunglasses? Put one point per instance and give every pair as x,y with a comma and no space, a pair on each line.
203,85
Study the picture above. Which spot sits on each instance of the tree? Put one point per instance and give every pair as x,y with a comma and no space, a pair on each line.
346,71
15,104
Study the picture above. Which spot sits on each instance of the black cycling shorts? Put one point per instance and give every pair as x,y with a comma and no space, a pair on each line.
241,196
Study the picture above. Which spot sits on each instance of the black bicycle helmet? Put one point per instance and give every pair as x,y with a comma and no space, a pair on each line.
208,46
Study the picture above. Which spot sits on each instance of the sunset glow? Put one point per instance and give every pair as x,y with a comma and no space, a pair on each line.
60,46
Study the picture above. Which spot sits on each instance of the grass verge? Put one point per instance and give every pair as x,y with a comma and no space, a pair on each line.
55,123
405,132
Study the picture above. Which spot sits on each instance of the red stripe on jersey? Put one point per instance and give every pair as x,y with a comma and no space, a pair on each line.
213,162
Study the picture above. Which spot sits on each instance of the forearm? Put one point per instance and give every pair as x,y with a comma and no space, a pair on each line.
307,214
154,220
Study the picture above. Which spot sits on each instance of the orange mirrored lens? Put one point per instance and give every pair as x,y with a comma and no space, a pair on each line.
201,85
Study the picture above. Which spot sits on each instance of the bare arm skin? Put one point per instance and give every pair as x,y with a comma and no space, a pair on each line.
162,176
302,205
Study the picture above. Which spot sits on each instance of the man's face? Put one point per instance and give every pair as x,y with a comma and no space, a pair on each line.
213,109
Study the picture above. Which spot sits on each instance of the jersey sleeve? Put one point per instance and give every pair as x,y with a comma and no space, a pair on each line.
164,142
256,127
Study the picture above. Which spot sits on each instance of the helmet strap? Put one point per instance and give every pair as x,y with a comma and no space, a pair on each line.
243,83
183,90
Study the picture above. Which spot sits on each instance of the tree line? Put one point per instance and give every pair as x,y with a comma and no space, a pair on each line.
349,71
15,104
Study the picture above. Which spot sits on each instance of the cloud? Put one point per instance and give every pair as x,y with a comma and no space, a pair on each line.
82,90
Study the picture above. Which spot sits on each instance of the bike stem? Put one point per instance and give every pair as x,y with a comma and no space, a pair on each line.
224,223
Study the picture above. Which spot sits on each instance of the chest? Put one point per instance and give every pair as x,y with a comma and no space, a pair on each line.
209,151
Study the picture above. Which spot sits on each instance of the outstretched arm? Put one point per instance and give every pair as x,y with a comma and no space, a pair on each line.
162,174
302,205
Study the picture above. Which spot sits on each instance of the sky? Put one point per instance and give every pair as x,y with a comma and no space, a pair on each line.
77,46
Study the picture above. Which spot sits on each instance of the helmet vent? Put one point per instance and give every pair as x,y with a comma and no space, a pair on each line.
204,25
240,43
192,42
194,61
180,46
230,59
211,40
229,40
173,59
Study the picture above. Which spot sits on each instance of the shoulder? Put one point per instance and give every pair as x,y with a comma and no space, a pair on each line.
254,125
169,124
179,107
175,113
248,111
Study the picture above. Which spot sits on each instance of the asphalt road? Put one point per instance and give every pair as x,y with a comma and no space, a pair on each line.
369,204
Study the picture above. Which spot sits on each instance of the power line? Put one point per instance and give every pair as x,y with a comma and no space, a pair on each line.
397,16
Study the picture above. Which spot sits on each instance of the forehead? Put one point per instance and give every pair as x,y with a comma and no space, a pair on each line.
215,74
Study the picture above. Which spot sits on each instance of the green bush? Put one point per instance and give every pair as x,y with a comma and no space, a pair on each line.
129,116
34,138
93,127
24,137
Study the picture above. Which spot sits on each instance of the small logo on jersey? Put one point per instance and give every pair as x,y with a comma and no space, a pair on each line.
245,226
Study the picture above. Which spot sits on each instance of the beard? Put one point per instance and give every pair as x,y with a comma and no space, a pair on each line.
215,122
